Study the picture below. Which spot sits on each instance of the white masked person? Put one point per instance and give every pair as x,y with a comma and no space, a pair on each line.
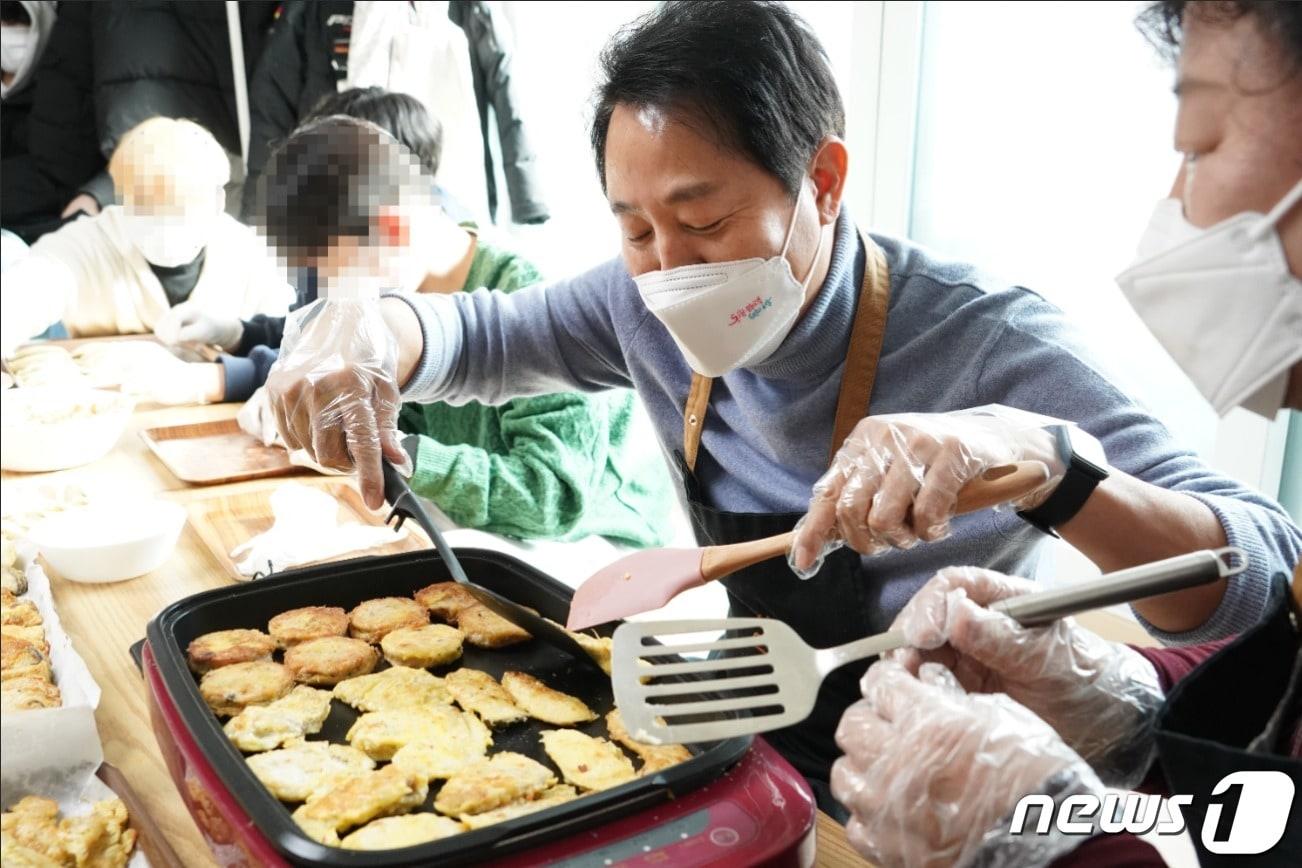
169,242
760,326
948,739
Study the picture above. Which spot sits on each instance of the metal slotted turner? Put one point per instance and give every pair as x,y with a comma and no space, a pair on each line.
760,675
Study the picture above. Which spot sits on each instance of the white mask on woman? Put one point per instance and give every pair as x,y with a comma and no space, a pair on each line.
1222,301
168,241
727,315
15,43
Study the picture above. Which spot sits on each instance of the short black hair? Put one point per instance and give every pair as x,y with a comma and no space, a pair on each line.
753,72
401,115
1280,21
13,12
327,180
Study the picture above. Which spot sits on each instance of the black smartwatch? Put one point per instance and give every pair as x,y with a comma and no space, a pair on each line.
1079,482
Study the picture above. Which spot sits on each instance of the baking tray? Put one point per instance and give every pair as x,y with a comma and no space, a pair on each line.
349,583
212,453
225,519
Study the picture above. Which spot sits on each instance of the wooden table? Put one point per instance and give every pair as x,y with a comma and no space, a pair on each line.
105,620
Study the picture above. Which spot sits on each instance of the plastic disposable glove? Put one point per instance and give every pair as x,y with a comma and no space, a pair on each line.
1102,697
187,323
334,390
257,420
931,773
896,479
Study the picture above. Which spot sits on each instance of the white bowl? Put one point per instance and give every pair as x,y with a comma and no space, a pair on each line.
53,429
110,543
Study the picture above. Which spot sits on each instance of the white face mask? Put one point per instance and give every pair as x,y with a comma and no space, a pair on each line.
167,241
1222,302
727,315
15,42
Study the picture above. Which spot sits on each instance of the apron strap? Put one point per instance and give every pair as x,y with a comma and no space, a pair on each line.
866,335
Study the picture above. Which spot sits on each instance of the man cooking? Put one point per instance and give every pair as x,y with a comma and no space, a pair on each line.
762,328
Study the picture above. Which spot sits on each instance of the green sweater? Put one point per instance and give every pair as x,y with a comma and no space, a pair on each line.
549,467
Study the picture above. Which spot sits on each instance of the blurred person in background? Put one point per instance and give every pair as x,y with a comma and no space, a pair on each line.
947,740
119,272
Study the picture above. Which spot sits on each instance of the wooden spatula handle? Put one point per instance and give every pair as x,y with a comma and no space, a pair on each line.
997,485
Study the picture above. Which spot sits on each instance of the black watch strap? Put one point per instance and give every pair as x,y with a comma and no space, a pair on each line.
1077,484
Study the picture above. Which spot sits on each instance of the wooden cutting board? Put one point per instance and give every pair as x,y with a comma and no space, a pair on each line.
211,453
224,521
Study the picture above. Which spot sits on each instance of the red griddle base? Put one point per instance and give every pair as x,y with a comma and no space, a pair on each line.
759,812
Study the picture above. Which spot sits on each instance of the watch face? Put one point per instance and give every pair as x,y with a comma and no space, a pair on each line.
1088,448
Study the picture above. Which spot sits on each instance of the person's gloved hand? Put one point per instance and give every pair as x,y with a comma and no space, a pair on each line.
257,420
896,479
1102,697
187,323
334,390
931,772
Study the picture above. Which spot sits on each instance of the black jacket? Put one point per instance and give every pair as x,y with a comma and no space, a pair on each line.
307,55
111,65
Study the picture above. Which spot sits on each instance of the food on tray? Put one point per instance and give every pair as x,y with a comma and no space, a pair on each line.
299,769
499,780
28,692
388,833
226,647
311,622
445,600
19,658
372,620
395,687
37,365
655,757
543,703
477,691
31,834
229,689
380,734
421,647
14,580
330,660
58,406
484,628
353,801
461,739
265,727
19,613
35,635
587,762
546,799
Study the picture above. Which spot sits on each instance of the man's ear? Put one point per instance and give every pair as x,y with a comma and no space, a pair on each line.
828,171
392,227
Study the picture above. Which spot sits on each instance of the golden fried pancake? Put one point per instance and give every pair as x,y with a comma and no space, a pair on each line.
355,800
264,727
30,830
101,838
477,691
379,734
330,660
372,620
587,762
229,689
485,628
311,622
225,647
445,599
547,798
35,635
19,658
463,740
21,613
543,703
300,768
422,647
389,833
395,687
27,693
655,757
499,780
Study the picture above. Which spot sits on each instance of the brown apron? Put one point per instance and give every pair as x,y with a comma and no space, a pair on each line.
770,588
